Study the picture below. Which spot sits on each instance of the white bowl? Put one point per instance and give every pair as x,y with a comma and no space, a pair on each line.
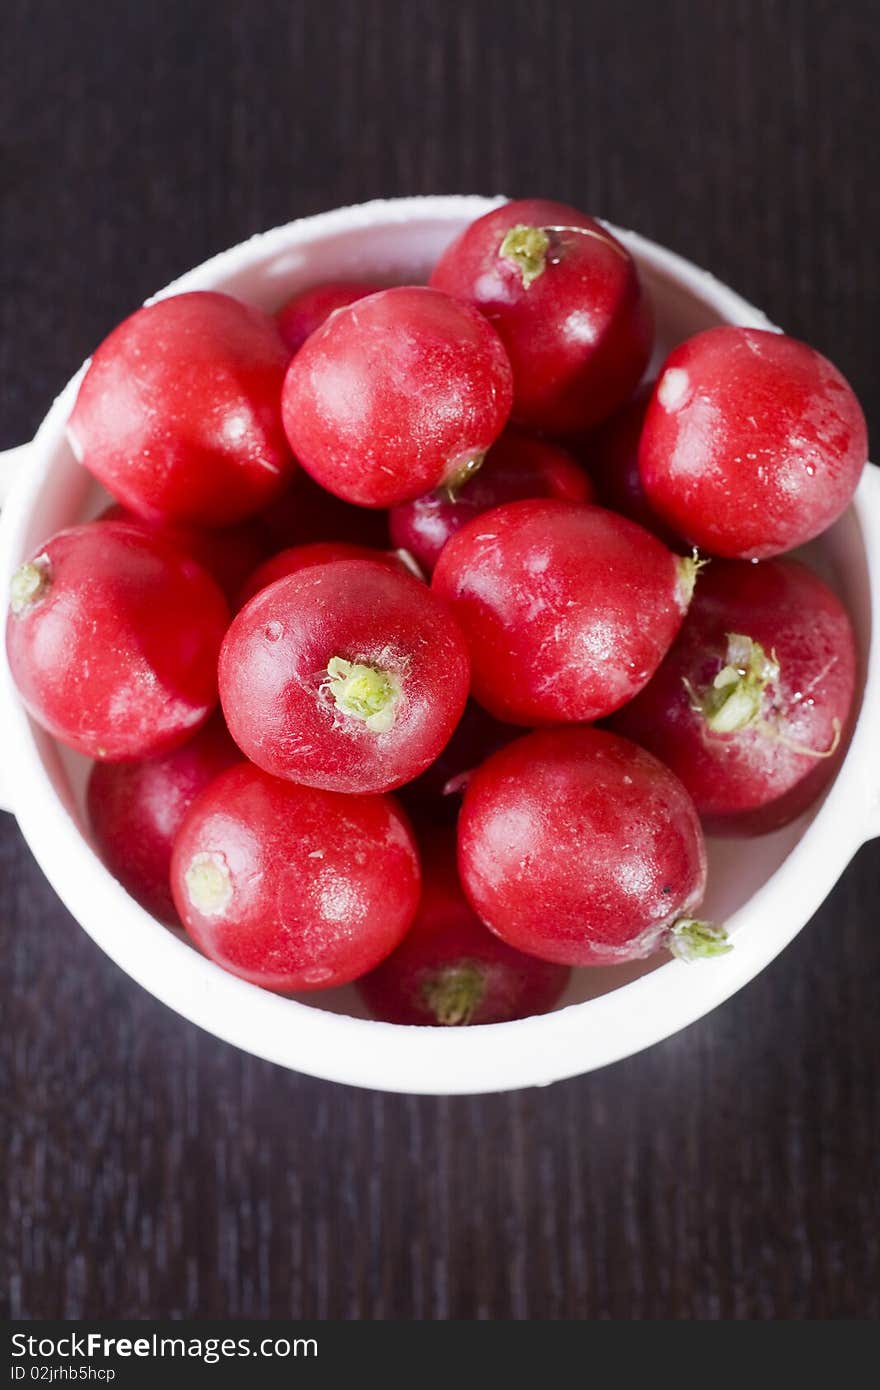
764,889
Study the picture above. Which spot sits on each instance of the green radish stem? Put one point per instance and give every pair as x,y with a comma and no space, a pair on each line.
363,692
209,884
29,584
461,473
689,567
691,940
527,248
733,700
454,993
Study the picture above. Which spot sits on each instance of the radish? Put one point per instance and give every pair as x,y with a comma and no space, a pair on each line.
449,970
349,676
753,443
290,887
564,295
579,847
395,395
752,705
568,609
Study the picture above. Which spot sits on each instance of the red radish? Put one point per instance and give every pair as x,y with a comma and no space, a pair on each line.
179,412
449,970
398,394
346,676
517,466
753,443
579,847
298,318
436,794
290,887
307,513
568,610
565,298
753,700
300,557
112,638
136,810
612,455
229,555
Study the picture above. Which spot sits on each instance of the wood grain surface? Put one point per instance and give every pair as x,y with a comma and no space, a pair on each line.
151,1171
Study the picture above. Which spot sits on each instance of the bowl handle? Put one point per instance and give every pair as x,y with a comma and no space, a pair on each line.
869,493
11,461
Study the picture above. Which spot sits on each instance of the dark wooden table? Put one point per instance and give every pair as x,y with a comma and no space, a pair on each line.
150,1170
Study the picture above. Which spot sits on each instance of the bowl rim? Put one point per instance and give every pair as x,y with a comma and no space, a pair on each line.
497,1057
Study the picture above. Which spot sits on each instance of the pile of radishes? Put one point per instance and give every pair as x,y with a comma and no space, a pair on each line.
370,527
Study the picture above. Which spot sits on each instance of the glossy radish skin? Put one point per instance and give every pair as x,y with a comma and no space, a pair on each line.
306,513
449,971
179,412
579,847
755,697
290,887
398,394
300,557
304,312
517,466
753,443
434,798
229,554
564,295
346,676
136,809
568,610
611,453
112,638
